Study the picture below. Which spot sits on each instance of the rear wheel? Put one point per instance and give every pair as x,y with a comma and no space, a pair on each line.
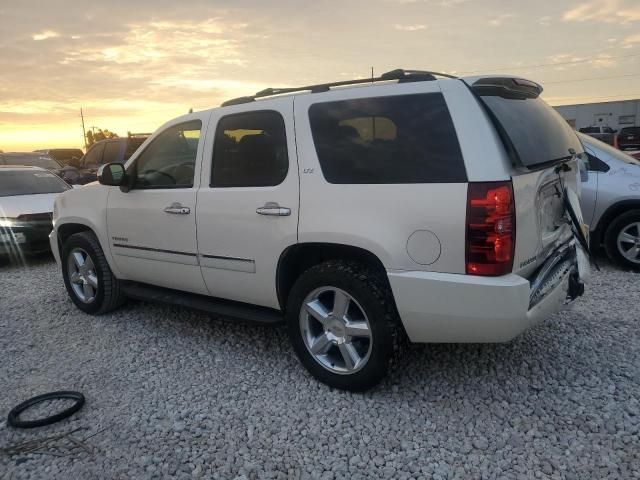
87,276
343,324
622,240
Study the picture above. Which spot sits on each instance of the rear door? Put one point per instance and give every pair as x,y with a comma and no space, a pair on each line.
247,211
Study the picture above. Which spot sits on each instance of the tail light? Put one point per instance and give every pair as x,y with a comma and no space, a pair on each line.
491,228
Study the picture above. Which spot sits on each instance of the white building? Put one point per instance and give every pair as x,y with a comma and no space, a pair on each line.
625,113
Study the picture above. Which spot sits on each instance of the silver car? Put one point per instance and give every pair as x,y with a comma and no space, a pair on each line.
611,201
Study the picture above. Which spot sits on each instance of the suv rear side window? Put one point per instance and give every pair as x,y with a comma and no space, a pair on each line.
250,150
396,139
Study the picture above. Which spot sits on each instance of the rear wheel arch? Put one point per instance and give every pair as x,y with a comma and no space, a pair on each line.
298,258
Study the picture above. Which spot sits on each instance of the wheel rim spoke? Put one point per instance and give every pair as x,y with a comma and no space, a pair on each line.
627,238
88,264
88,292
358,329
75,277
317,310
350,355
78,259
341,303
321,345
92,280
632,253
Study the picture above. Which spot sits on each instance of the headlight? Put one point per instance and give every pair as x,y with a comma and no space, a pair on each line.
7,222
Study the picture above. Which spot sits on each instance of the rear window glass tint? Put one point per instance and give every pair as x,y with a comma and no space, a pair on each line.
536,131
395,139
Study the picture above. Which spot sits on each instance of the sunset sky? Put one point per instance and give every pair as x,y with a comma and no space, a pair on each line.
132,65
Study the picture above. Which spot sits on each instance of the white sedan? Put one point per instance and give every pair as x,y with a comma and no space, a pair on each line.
26,206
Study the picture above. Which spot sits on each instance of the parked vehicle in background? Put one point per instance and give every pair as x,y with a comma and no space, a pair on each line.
64,156
30,159
113,150
611,201
26,209
629,137
603,133
387,209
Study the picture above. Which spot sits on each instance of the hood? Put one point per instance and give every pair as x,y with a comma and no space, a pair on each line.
12,207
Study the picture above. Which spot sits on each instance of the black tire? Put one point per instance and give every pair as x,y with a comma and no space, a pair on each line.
109,295
371,292
619,224
14,415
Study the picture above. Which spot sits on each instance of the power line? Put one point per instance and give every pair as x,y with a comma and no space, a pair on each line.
587,98
556,64
592,78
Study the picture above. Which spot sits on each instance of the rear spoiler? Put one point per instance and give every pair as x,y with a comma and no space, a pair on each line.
506,87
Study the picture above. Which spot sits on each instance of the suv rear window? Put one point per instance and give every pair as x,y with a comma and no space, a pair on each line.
534,134
630,131
395,139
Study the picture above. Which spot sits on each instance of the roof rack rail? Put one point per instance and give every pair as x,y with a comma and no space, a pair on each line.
399,74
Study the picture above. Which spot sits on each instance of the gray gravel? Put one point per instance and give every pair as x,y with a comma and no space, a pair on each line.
182,396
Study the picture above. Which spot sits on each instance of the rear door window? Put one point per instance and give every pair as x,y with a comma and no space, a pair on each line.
250,150
394,139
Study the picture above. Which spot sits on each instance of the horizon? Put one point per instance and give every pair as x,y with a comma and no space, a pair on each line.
134,69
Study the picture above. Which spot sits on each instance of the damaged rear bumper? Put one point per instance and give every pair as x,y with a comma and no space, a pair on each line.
452,308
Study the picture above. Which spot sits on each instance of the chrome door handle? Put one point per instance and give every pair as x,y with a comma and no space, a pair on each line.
177,209
272,208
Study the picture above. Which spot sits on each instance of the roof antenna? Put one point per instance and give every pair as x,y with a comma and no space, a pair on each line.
372,74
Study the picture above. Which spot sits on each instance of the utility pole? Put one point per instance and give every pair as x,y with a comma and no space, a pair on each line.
84,133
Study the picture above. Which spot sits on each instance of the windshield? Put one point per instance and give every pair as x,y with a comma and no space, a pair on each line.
42,161
23,182
608,150
533,132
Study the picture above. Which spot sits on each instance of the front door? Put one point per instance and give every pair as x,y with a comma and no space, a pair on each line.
152,227
248,201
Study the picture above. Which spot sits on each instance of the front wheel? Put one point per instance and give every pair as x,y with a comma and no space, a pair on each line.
343,324
87,276
622,240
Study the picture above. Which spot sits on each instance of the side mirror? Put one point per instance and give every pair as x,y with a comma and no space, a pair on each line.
111,174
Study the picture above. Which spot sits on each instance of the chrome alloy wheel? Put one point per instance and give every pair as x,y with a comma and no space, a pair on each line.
629,242
82,275
335,330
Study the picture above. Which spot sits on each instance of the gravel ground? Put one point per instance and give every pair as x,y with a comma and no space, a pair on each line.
171,393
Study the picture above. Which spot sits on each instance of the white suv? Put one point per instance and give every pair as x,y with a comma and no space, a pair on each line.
362,213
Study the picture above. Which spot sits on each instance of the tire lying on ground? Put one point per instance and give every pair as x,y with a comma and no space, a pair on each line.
14,415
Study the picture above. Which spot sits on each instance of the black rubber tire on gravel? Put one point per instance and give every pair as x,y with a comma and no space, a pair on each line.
109,295
611,238
371,291
14,415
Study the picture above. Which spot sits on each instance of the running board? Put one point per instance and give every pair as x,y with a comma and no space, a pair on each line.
212,305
